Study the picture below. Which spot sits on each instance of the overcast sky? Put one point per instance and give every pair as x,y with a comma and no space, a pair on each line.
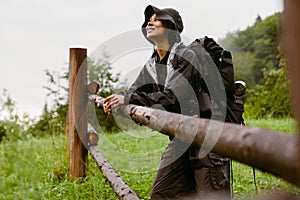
36,35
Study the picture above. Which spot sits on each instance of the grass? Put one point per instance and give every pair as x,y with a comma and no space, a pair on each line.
243,175
38,168
287,125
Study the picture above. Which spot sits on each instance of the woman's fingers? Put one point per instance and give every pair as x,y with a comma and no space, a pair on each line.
107,104
112,101
106,108
108,99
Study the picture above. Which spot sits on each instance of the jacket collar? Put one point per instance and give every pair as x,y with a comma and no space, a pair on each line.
150,65
171,55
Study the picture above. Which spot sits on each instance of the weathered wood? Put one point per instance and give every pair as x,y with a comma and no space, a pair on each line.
77,113
121,189
271,151
290,29
93,136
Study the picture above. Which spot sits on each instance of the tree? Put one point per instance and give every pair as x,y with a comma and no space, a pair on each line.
259,62
57,88
12,126
255,49
272,99
258,19
101,72
53,118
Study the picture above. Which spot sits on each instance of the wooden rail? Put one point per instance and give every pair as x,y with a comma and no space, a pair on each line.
122,190
271,151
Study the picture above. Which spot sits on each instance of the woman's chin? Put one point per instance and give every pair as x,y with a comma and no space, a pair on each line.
151,38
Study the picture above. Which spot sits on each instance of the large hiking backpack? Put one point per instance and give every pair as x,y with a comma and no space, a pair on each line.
223,61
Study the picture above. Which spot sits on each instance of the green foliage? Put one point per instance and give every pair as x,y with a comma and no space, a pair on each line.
57,87
2,130
101,72
243,183
271,99
54,116
12,126
286,125
259,62
51,122
12,131
53,119
255,49
8,107
38,169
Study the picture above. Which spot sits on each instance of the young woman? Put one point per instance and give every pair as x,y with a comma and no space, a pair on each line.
170,78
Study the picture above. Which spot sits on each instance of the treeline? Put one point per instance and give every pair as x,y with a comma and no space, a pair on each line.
259,62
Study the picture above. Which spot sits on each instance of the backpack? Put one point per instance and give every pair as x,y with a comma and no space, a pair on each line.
223,62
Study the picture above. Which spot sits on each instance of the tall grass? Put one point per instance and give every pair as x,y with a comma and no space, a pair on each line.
38,168
243,175
287,125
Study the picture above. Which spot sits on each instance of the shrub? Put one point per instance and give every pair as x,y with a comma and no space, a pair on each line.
271,99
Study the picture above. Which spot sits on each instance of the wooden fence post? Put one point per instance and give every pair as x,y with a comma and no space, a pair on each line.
290,39
77,114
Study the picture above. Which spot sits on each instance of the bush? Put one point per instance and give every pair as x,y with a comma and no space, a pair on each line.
2,130
271,99
50,123
12,131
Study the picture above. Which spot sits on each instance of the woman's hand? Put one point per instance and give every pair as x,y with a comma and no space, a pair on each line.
113,101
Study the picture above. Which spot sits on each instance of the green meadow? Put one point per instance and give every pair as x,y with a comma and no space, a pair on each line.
38,168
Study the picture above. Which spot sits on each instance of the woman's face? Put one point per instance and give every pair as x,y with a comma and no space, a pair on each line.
155,29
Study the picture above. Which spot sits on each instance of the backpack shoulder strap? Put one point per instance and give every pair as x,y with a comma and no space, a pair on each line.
213,48
201,40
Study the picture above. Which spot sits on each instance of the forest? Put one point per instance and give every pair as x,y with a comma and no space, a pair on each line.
259,61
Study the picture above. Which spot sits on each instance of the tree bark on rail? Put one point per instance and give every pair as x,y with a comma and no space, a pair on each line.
274,152
270,151
122,190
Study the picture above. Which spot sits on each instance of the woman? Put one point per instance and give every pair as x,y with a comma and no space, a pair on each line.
154,85
170,79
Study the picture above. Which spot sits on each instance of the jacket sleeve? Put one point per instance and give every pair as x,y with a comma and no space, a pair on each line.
177,88
138,85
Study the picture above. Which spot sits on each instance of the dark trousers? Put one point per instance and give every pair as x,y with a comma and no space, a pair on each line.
183,176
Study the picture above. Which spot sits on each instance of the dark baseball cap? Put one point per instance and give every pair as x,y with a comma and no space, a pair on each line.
167,14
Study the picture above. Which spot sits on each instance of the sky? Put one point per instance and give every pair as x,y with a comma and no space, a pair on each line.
35,35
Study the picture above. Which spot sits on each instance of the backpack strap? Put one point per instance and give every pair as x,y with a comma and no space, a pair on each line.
213,48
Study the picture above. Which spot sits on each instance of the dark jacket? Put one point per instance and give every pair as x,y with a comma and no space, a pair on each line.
190,171
182,83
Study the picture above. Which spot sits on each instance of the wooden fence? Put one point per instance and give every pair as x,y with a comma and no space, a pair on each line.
82,136
253,146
